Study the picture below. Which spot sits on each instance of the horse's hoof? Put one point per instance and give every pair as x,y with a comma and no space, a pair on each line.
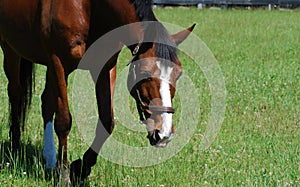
65,177
50,173
78,172
75,172
61,177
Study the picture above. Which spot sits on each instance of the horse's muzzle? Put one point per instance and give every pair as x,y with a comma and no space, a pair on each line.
156,141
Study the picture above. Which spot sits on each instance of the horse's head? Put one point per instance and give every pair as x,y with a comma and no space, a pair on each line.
152,78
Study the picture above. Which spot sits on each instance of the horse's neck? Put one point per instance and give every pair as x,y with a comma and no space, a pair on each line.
109,15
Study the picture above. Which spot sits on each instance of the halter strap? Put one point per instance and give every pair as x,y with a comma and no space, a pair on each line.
135,51
137,48
154,109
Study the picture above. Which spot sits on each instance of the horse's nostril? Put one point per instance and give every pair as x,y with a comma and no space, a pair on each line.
164,141
156,141
153,137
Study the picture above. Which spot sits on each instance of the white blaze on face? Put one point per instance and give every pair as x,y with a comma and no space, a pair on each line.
165,73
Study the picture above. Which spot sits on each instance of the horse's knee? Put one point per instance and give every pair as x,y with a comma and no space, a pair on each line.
62,124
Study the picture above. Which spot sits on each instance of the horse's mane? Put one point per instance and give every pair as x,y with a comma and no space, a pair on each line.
165,48
143,10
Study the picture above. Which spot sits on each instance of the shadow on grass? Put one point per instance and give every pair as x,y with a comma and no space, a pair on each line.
27,160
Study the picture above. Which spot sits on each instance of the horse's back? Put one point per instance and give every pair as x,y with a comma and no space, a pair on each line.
37,28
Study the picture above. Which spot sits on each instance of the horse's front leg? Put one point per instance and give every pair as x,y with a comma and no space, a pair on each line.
62,122
80,169
49,104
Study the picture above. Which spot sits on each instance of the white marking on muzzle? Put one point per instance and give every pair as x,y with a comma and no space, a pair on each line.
165,72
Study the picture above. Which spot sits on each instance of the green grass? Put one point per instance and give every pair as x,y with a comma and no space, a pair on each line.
258,144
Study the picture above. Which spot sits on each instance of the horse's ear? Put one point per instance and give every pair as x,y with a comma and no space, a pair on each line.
182,35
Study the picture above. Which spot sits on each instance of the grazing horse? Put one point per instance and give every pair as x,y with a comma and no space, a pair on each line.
56,33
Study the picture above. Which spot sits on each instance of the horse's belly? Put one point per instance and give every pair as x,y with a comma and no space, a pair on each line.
27,46
18,23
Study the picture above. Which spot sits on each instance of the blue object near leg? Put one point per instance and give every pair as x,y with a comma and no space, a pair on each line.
49,152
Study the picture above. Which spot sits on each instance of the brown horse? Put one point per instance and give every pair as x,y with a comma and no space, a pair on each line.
56,33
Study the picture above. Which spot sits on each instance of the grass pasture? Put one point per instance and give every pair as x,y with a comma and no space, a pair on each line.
258,144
